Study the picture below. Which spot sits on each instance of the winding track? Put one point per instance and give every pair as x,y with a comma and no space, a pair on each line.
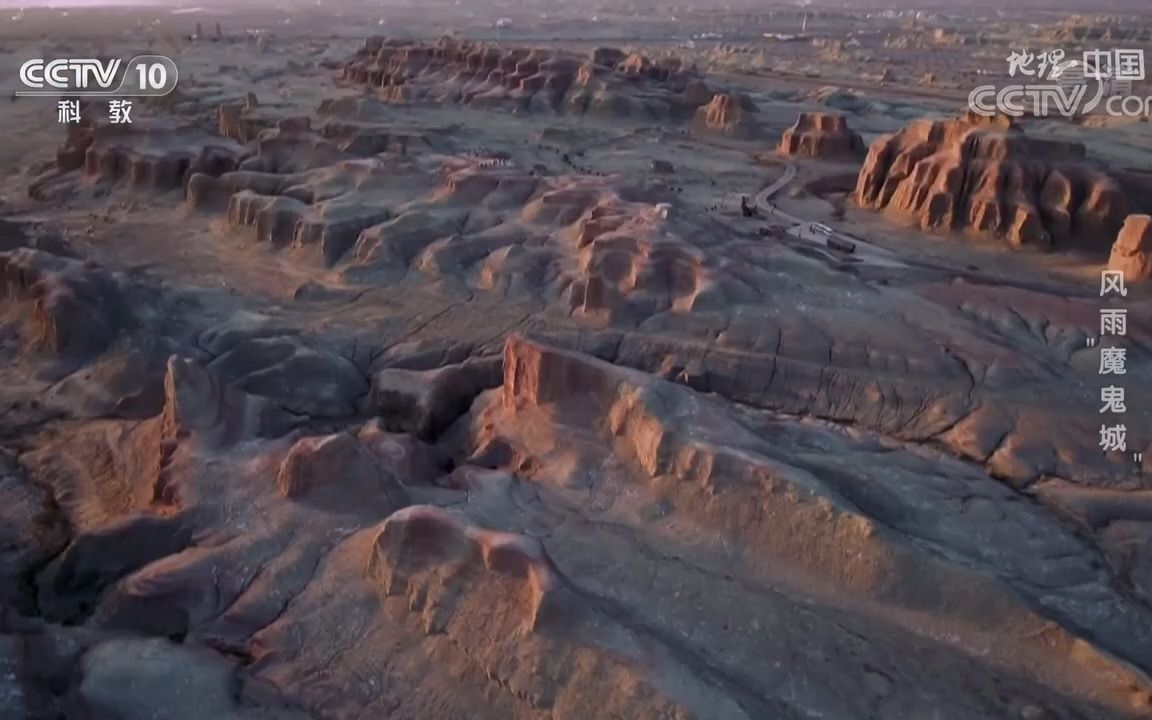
872,254
763,198
802,228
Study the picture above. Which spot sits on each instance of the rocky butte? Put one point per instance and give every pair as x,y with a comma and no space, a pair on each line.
731,114
986,177
1132,251
821,135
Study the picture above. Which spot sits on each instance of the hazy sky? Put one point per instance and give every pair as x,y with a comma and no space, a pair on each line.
1055,6
9,4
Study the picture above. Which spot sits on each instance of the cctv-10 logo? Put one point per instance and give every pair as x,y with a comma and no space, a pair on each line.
143,75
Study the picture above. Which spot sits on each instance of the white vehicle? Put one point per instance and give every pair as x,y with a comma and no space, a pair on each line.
820,228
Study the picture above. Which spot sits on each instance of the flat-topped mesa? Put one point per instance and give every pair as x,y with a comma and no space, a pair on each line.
821,135
151,154
984,176
449,567
339,473
1132,251
731,114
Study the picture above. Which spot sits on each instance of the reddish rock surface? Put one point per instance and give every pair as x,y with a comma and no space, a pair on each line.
1132,251
821,135
337,473
987,177
728,114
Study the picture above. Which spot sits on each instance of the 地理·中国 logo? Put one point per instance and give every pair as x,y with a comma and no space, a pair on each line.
1050,84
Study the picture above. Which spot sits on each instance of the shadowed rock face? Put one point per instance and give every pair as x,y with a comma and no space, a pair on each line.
820,135
150,155
72,309
197,402
985,176
425,403
1132,251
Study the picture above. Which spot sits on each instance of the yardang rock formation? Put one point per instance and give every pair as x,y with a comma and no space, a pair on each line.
605,82
821,135
987,177
1132,251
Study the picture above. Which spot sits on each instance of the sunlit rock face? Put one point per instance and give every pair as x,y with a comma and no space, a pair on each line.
986,176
